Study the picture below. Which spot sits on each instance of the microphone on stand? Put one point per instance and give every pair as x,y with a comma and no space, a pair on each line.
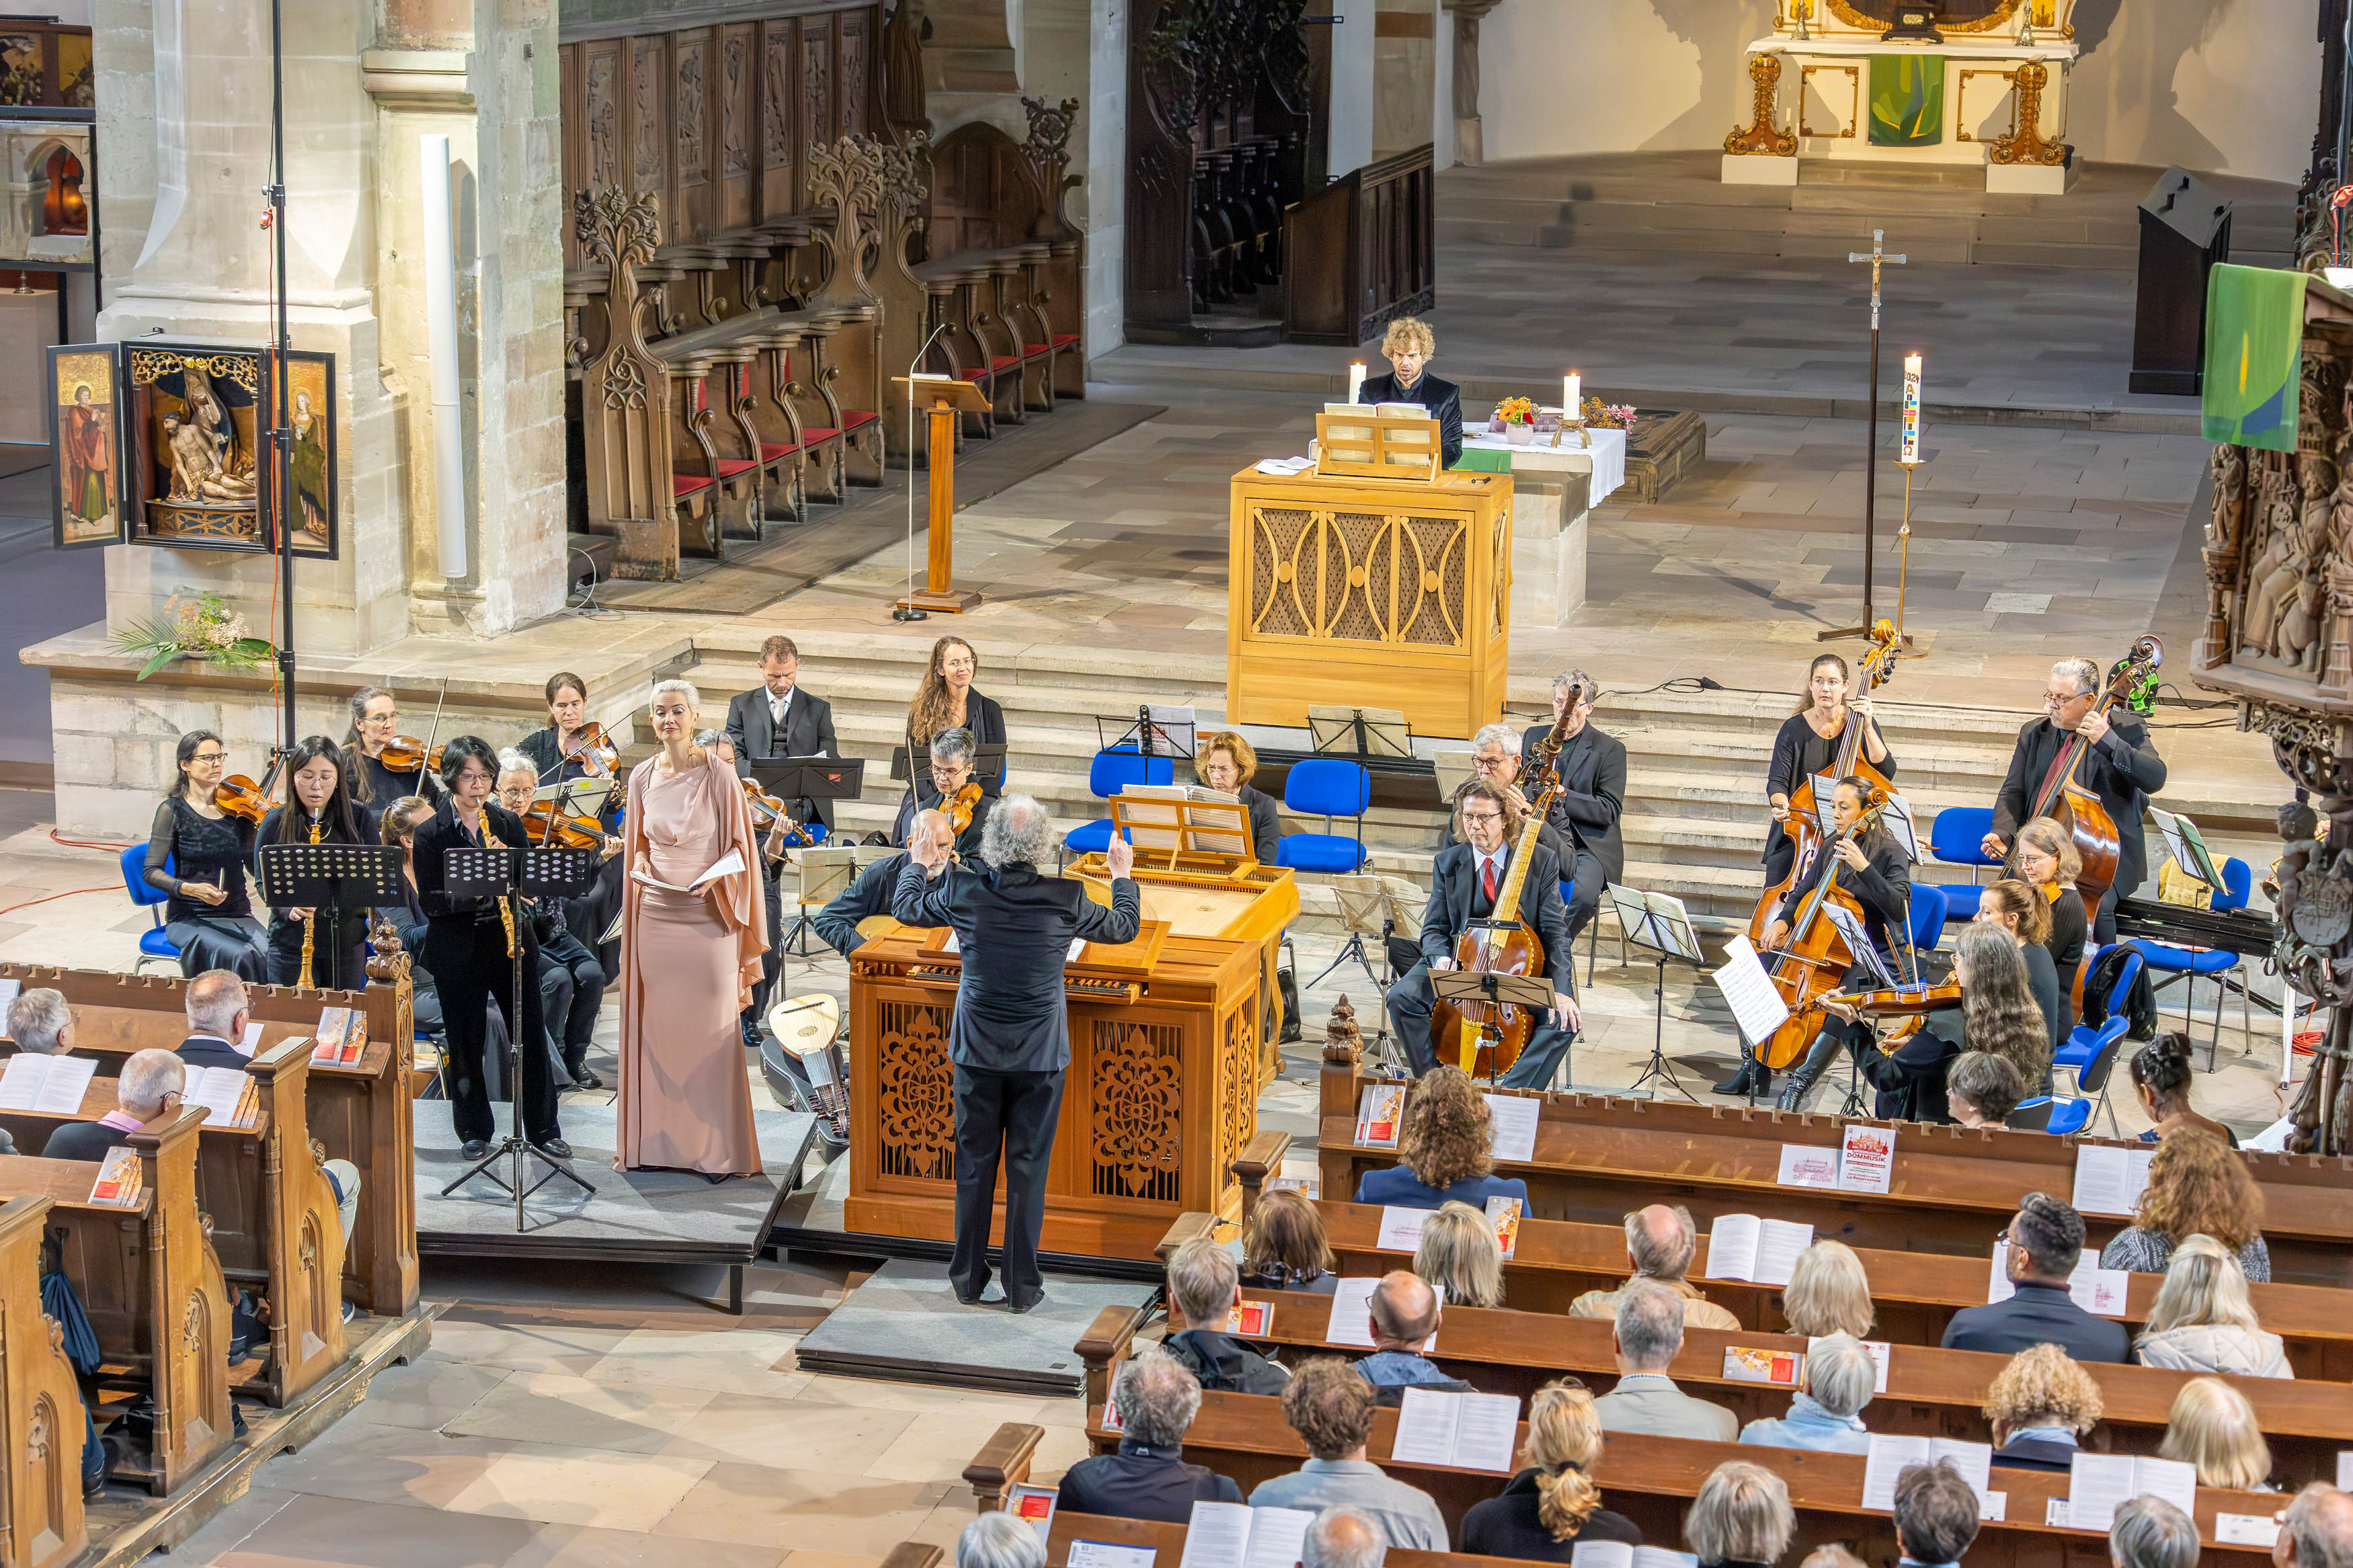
909,611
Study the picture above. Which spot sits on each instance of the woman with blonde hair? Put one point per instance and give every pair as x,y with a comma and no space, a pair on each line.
2213,1427
1284,1247
2040,1404
1445,1150
1408,346
947,699
1460,1255
2048,862
1225,761
2019,910
1742,1515
2202,1322
1549,1507
2197,1187
1828,1292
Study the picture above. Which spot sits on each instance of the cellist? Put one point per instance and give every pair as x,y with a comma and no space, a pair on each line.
1810,743
1463,882
1873,869
2120,765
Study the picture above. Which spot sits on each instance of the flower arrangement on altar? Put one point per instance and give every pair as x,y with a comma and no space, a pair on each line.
1603,415
1516,411
206,629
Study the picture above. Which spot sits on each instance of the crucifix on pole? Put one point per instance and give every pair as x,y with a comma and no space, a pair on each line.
1878,257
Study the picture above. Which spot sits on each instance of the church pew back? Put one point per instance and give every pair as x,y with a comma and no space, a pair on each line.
40,1474
1166,1541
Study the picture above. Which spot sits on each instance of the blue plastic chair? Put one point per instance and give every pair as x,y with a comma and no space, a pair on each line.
2188,964
154,945
2089,1053
1953,840
1928,913
1325,787
2044,1114
1111,772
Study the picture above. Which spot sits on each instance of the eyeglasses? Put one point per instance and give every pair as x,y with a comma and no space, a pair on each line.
1488,765
208,757
1482,816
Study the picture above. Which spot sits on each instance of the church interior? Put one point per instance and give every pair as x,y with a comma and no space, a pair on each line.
1751,455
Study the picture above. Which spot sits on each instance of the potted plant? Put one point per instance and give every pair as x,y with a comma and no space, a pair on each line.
204,629
1519,417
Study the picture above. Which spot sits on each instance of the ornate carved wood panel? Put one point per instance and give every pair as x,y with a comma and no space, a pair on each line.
817,81
857,73
690,120
739,152
780,192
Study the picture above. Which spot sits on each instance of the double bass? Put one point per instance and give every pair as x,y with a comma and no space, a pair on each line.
1490,1036
1812,961
2075,806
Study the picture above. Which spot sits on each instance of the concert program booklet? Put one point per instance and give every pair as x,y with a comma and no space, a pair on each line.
1252,1319
1742,1365
1889,1456
1468,1431
1617,1555
2110,1180
53,1086
337,1043
1762,1251
1513,1118
1350,1322
1879,1352
2096,1289
9,992
1236,1535
120,1177
1035,1504
2098,1483
227,1093
727,865
1503,1214
1866,1159
1379,1111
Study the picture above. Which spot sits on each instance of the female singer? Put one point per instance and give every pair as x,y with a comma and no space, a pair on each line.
376,719
1407,345
1225,762
209,916
1872,866
2019,910
2049,862
323,813
469,945
947,700
1807,744
688,961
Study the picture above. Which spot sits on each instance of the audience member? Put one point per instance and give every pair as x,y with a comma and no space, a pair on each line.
1405,1313
1331,1408
1659,1244
149,1088
2213,1427
1832,1557
2317,1531
40,1022
2160,1076
1344,1538
2150,1532
1000,1540
1460,1255
1839,1377
1828,1292
1649,1334
1545,1510
2039,1405
1204,1289
1445,1150
1741,1518
2197,1187
2202,1322
216,1005
2045,1240
1981,1089
1935,1514
1284,1248
1148,1478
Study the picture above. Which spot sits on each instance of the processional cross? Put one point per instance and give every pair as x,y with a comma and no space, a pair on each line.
1878,257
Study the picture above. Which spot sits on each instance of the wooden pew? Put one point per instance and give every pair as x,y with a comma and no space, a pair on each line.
1168,1542
1652,1480
40,1468
362,1112
151,1286
1598,1156
1930,1392
1914,1294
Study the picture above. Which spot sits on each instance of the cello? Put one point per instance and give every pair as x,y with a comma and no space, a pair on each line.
1873,670
2076,806
1812,961
1490,1036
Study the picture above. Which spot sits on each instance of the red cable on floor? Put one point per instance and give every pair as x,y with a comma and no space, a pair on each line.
85,843
68,893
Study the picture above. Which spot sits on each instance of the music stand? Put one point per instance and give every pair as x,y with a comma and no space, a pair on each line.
1462,985
1359,731
1159,729
333,877
1385,907
1659,922
1858,941
505,873
825,871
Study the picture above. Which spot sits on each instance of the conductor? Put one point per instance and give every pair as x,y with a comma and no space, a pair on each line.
1009,1041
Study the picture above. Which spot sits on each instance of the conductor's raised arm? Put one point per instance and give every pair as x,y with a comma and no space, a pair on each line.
1123,917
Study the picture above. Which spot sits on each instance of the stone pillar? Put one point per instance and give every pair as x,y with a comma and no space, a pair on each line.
1468,135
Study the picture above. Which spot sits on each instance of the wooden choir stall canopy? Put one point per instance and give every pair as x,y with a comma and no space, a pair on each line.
1376,570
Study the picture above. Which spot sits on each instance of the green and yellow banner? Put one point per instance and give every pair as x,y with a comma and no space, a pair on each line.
2254,349
1907,100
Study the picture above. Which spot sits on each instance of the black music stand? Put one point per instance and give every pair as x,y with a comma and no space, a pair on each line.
791,779
1159,729
1662,925
504,873
1461,985
335,878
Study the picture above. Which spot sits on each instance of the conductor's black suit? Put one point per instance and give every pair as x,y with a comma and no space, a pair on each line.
1010,1042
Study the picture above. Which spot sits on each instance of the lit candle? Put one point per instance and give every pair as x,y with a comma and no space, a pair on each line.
1911,409
1356,380
1571,386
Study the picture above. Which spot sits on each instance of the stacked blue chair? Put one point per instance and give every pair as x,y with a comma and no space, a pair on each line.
154,946
2179,965
1953,840
2091,1054
1928,910
1325,787
1111,772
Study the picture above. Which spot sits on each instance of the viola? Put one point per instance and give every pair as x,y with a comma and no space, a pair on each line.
768,810
1912,1005
2076,806
961,806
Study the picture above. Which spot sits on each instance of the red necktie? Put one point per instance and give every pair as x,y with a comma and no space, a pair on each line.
1487,879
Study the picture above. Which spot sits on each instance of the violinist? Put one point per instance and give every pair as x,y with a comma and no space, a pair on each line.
1496,757
2120,767
571,981
2019,910
323,813
1872,868
375,782
1996,1015
1808,744
568,747
954,790
209,915
948,700
1591,767
780,718
1463,882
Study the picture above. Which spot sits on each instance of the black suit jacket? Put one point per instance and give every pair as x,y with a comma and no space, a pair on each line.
1592,793
1441,397
1138,1482
207,1051
81,1141
2123,770
1454,890
439,834
868,895
1013,928
809,730
2038,1315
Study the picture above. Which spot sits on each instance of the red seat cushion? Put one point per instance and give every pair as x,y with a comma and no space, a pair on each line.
769,454
731,467
812,434
1037,349
1062,338
998,362
687,484
851,418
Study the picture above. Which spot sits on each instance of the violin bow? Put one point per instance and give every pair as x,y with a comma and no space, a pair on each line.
424,757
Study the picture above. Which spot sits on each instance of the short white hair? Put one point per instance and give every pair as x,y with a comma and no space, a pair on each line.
1017,830
1201,1278
2150,1532
2082,672
1000,1540
214,999
1840,1375
1649,1320
1501,735
512,761
1344,1537
36,1018
1157,1397
1742,1514
684,688
149,1076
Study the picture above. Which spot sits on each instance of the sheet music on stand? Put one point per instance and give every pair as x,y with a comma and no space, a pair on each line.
1454,768
1359,731
988,761
1658,922
1898,820
2187,847
586,797
1183,820
1377,905
1159,729
826,869
1858,941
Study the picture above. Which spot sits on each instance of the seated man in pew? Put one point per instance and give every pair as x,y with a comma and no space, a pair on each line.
1650,1335
1825,1415
1405,1313
2150,1532
2044,1240
216,1005
1661,1243
1343,1538
1935,1513
868,893
1741,1518
2041,1405
40,1022
149,1088
1148,1478
1331,1408
1000,1540
2317,1531
1204,1289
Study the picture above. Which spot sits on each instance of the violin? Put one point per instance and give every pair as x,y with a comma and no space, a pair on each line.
961,806
1911,1005
407,754
238,795
545,825
2076,806
768,810
1813,960
594,748
1873,670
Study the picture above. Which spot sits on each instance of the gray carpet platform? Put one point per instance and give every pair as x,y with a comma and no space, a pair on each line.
905,1322
645,1216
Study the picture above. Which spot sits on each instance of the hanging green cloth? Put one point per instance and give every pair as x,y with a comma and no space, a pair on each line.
1483,460
2255,351
1907,100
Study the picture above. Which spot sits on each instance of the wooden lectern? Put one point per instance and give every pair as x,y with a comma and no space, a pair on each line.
945,399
